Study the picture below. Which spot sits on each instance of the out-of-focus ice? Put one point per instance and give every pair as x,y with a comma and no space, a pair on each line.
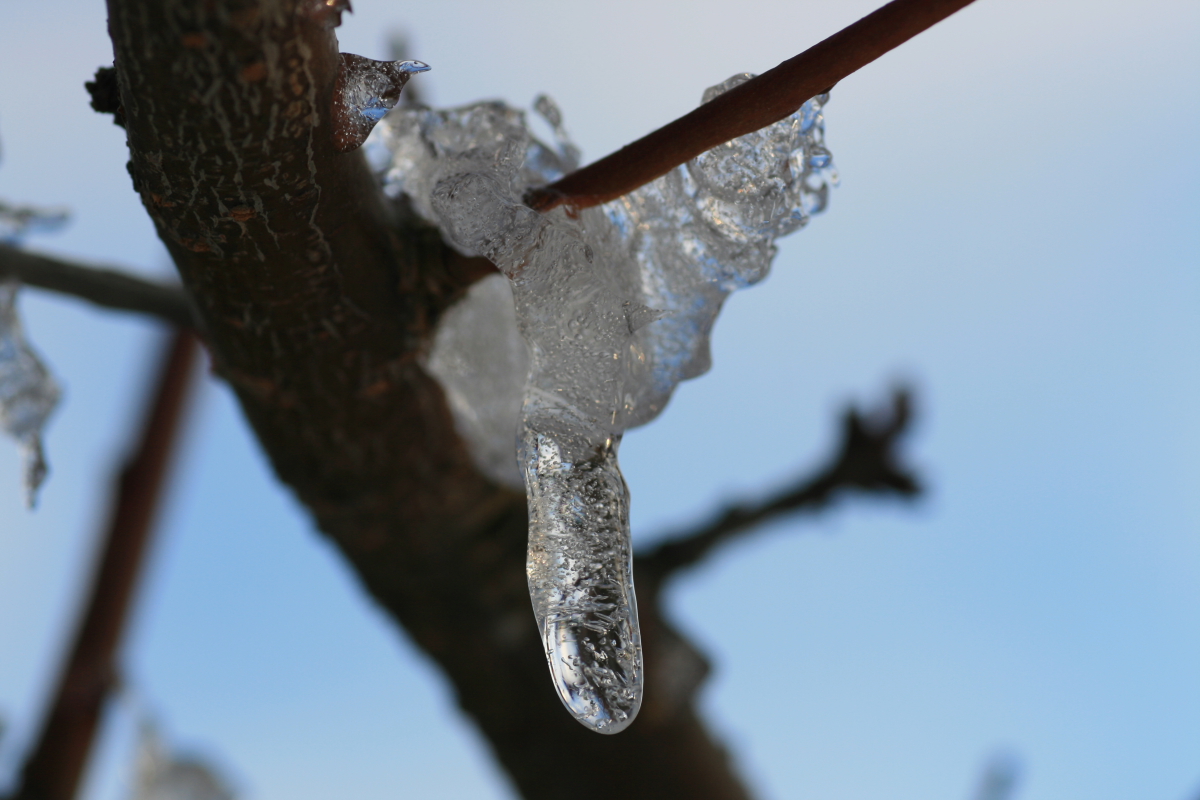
161,775
28,394
18,221
481,362
615,307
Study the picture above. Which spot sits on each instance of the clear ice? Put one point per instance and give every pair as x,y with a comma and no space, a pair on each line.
160,775
366,90
28,395
613,307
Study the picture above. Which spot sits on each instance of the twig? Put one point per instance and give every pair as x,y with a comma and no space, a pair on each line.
746,108
104,287
55,765
866,461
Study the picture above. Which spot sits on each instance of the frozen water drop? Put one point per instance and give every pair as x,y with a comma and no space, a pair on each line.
28,395
163,775
638,316
366,90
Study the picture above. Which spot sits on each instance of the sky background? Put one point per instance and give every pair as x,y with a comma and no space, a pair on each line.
1015,235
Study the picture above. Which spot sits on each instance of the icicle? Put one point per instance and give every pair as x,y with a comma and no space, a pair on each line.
615,307
366,90
28,395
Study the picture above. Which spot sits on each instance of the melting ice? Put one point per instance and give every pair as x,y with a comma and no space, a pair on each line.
28,395
612,309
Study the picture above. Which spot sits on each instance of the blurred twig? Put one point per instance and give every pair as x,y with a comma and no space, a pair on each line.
866,461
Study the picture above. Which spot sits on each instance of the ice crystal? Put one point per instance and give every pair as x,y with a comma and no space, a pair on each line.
28,394
615,306
366,90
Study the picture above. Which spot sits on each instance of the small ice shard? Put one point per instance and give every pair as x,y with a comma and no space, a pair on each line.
161,775
615,306
28,395
638,316
18,221
365,91
481,361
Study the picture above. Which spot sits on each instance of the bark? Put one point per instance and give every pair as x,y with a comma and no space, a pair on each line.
316,298
54,767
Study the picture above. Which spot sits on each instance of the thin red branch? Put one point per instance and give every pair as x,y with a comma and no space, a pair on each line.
746,108
54,767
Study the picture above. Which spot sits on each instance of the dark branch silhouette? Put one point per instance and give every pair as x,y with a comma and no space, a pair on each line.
746,108
104,287
55,765
866,461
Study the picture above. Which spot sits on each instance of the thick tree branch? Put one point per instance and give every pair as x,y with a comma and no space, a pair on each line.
317,300
866,461
746,108
105,287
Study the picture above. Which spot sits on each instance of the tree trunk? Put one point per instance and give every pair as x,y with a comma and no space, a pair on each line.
317,299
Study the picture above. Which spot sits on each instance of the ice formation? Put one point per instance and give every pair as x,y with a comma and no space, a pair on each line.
614,306
365,91
161,775
28,394
481,362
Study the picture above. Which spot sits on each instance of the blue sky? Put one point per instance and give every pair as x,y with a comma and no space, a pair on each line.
1014,234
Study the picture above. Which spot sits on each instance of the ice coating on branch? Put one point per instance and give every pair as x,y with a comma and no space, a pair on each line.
365,91
615,307
28,395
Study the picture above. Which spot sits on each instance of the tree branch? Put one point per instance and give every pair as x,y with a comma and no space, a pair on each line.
55,765
746,108
104,287
866,460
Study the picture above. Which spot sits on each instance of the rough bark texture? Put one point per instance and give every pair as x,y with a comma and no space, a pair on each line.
316,298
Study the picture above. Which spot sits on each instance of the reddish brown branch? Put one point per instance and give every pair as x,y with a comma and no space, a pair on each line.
53,769
746,108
